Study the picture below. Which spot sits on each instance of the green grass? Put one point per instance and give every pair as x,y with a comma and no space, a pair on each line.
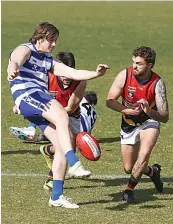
96,32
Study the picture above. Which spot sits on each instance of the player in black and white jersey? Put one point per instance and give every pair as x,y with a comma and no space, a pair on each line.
88,114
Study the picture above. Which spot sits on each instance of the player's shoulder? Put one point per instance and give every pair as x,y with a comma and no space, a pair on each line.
160,84
120,78
21,50
23,47
122,74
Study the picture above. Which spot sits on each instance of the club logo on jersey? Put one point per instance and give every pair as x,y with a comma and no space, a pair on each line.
130,94
35,67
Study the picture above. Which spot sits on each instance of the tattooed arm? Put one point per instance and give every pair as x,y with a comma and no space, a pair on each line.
162,113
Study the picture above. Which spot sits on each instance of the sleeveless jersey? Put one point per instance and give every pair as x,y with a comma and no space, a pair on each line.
33,76
62,94
88,116
135,90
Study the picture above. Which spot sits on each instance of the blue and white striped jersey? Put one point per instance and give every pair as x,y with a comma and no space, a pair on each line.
33,75
88,116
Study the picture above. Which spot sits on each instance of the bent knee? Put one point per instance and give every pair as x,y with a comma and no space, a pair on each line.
62,118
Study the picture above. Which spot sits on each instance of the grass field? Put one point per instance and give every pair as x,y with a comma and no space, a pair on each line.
96,32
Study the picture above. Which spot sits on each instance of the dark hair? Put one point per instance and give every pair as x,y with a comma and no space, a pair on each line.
91,97
67,58
145,52
44,30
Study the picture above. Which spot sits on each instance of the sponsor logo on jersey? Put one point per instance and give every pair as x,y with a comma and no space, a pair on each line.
131,89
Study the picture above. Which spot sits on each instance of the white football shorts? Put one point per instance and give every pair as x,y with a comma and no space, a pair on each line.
131,138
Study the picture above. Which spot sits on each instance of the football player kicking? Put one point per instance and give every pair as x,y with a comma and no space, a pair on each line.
28,68
82,118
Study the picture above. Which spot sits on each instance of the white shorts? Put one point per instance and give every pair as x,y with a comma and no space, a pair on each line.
131,138
75,125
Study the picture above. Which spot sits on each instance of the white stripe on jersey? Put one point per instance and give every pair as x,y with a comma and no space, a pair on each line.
35,81
21,87
25,86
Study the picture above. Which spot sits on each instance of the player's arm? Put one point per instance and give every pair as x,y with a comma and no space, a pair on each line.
71,73
115,92
17,59
15,110
76,97
162,113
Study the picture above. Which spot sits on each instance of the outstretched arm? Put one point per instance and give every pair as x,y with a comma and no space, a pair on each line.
62,70
17,59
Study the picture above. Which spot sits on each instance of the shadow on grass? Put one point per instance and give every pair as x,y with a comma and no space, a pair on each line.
141,196
36,143
108,140
100,140
124,180
21,151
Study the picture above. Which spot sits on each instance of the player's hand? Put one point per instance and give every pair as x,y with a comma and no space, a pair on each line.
13,73
15,110
134,109
144,105
101,69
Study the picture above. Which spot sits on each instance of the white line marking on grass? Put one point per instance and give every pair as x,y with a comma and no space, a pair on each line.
94,176
23,175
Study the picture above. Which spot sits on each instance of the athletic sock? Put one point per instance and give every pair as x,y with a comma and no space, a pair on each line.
47,150
149,172
132,183
43,137
71,158
50,174
57,189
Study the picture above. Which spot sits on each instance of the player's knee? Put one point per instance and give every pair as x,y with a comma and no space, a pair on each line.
62,118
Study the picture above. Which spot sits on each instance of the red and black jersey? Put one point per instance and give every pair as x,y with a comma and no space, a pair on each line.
60,93
134,90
